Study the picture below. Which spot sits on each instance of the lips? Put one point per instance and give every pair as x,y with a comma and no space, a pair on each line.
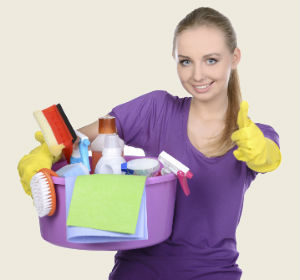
203,90
203,84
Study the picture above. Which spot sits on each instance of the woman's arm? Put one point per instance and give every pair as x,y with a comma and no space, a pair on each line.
90,130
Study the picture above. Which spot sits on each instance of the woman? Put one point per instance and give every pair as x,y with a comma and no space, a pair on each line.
198,131
210,133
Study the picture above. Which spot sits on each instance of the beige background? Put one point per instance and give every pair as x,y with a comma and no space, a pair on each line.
93,55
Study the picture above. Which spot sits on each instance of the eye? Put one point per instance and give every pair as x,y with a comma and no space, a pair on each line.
212,59
182,62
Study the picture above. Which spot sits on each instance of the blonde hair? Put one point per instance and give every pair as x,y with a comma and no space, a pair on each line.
205,16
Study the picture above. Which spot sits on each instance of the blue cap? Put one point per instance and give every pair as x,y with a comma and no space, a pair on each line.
125,169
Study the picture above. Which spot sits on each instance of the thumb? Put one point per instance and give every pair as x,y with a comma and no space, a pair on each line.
39,137
243,120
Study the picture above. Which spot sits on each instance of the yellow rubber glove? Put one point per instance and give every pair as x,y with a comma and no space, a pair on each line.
38,158
260,153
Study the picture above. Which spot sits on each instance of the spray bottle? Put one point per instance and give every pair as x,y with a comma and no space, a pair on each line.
81,154
172,165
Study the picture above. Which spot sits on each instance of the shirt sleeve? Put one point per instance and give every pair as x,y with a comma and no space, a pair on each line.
139,119
269,132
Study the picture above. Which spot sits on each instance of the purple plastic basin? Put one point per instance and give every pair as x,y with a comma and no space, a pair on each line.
160,201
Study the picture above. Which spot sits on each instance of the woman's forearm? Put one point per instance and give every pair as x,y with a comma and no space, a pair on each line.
90,130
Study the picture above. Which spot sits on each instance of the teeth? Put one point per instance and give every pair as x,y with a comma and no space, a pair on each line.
205,86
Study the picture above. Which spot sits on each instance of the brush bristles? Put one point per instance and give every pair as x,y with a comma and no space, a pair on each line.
41,194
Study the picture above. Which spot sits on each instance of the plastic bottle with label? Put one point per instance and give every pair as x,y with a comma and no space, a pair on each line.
111,160
107,126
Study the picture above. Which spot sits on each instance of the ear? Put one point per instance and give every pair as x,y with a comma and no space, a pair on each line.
236,58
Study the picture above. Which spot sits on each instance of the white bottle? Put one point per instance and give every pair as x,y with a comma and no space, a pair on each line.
111,160
106,126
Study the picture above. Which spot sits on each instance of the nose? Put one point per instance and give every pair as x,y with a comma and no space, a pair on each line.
198,73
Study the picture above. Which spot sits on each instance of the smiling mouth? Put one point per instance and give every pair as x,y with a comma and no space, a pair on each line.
204,86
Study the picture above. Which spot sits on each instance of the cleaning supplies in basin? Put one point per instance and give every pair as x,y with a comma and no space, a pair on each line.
143,166
172,165
106,126
57,130
73,169
81,153
160,200
111,160
77,234
43,192
107,202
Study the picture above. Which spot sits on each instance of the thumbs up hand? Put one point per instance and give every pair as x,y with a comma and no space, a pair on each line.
249,138
260,153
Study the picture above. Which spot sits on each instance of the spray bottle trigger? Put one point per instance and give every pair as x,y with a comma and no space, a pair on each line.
183,182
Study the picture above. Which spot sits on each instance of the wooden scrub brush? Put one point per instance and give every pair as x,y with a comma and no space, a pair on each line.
43,192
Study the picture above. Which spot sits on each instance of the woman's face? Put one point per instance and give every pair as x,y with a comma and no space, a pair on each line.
204,62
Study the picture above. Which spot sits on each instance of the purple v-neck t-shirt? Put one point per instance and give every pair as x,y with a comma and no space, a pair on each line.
203,240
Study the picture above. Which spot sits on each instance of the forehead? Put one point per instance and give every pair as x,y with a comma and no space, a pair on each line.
200,41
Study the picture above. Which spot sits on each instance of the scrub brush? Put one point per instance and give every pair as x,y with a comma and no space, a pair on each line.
43,192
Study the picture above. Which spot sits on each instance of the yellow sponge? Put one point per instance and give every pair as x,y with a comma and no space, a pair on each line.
54,148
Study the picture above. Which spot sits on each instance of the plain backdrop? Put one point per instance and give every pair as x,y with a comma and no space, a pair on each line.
93,55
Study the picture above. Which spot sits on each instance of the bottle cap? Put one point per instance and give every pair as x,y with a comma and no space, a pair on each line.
107,125
125,169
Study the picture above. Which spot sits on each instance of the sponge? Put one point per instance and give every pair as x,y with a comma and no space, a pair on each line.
57,130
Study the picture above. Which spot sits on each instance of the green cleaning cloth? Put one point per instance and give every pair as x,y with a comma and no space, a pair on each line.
108,202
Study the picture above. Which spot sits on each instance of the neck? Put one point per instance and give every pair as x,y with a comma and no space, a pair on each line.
214,110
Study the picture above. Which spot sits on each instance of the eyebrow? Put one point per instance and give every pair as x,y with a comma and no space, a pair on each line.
207,55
